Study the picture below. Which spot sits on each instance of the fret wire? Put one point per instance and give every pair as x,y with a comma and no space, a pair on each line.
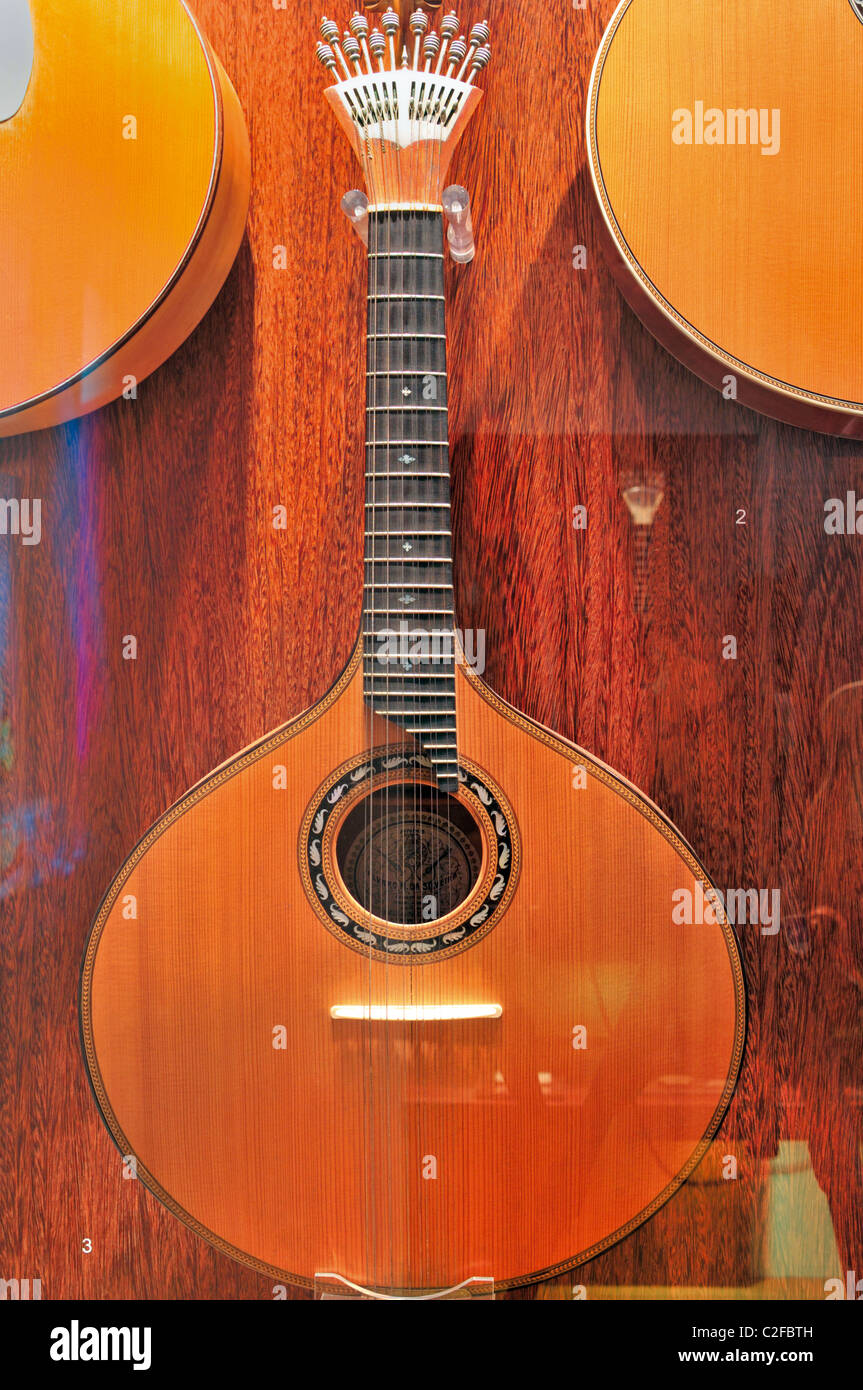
391,709
417,695
415,729
394,337
400,255
375,298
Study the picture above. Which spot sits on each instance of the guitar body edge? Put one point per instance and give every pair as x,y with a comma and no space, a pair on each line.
706,358
185,297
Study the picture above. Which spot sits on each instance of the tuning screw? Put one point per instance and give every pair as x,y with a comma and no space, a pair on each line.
359,27
479,61
419,24
326,56
431,48
448,30
330,32
377,46
457,52
478,35
390,26
352,50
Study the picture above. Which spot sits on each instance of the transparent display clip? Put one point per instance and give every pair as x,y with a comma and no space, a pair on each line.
355,206
335,1286
456,207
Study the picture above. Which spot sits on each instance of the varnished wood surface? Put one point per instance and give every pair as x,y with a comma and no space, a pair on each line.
740,250
157,521
125,181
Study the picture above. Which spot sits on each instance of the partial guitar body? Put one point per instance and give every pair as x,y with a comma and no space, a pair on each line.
726,151
124,187
401,995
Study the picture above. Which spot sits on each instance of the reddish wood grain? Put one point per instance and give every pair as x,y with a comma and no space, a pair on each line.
157,522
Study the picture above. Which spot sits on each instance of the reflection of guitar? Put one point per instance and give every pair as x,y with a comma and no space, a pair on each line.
726,148
396,994
124,179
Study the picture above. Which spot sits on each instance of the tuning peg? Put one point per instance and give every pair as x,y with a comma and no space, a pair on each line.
457,51
479,61
330,32
355,206
449,27
479,34
390,26
419,24
378,47
326,57
456,206
352,52
359,27
431,46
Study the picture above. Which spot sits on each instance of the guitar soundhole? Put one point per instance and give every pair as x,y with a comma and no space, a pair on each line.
409,853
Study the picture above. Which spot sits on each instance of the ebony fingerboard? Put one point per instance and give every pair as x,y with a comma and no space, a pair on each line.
409,671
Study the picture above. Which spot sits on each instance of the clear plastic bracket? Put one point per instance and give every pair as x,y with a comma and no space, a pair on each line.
456,207
335,1286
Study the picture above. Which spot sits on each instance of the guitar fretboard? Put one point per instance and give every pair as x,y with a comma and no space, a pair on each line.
409,665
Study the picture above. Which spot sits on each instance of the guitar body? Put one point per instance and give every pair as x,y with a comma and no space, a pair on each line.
405,1154
124,187
726,152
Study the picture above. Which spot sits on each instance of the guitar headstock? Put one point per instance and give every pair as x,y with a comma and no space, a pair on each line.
403,94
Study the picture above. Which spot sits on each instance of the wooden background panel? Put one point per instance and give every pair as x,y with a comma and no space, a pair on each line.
157,522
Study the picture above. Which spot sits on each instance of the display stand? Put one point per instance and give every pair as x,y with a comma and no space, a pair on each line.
335,1286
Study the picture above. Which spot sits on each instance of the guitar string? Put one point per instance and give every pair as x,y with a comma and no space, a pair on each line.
381,312
443,451
413,838
409,230
434,189
368,626
416,1054
391,802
